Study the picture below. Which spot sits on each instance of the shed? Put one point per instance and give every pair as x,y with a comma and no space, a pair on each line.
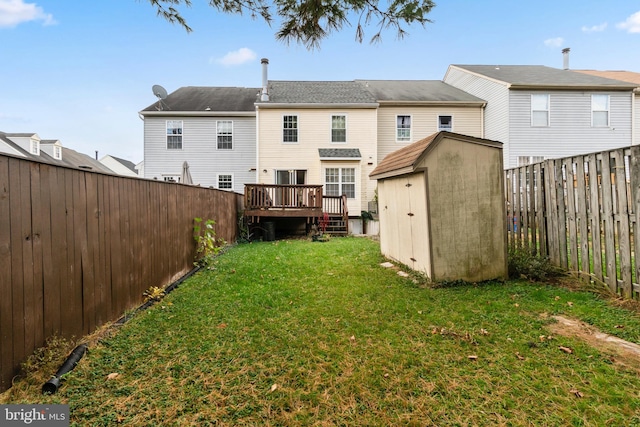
442,208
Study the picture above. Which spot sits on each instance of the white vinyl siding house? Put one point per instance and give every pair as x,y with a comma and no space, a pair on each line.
570,129
200,150
213,129
516,110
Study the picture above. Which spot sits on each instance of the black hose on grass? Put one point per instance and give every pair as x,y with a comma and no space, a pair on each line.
51,386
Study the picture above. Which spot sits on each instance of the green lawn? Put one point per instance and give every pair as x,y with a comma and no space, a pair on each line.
293,333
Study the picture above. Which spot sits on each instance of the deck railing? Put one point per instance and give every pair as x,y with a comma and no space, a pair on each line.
282,196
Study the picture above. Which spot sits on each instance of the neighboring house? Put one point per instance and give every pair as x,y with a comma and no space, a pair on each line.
213,129
120,166
630,77
30,146
319,133
410,110
540,112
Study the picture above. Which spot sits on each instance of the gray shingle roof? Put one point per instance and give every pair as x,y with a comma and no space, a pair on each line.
539,75
199,98
321,92
416,91
344,153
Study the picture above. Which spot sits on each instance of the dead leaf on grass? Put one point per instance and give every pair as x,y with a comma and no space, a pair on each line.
518,356
352,338
576,392
113,376
516,305
566,349
484,332
557,298
569,303
273,388
472,357
222,325
619,326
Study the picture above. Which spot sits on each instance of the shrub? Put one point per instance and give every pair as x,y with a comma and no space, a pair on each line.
208,245
523,264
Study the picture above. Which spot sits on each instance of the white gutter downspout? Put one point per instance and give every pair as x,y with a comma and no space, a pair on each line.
633,117
257,145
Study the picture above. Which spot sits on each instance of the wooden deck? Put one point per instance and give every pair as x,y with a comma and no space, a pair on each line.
296,201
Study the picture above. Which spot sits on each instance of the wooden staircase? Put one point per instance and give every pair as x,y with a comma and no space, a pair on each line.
335,215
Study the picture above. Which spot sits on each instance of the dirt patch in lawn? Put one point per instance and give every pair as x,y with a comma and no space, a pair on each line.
622,352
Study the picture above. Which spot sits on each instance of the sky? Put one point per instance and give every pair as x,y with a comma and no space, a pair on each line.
80,71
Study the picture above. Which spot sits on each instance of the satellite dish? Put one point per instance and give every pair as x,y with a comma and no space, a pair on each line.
159,91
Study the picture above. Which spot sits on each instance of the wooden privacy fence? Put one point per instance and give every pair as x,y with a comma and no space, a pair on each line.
583,213
77,248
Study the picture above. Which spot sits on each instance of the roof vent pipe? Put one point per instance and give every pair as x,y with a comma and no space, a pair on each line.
565,58
265,94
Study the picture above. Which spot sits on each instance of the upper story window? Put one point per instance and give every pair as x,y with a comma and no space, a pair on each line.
403,128
224,132
290,129
600,110
529,160
339,128
445,123
339,181
35,147
540,110
225,181
57,152
174,134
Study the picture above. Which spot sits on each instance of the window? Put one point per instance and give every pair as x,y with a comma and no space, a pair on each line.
403,128
224,132
174,134
171,178
57,152
529,160
540,110
338,128
35,147
290,129
600,110
445,123
339,181
225,181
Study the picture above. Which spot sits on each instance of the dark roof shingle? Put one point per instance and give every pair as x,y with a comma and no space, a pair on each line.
320,92
539,75
203,98
416,91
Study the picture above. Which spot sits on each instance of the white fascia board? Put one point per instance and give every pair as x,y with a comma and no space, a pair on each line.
170,113
314,105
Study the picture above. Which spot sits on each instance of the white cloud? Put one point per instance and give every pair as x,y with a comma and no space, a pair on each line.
595,28
632,24
14,12
555,42
237,57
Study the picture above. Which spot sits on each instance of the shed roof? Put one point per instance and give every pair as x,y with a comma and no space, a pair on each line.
527,76
317,92
205,98
405,160
417,91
